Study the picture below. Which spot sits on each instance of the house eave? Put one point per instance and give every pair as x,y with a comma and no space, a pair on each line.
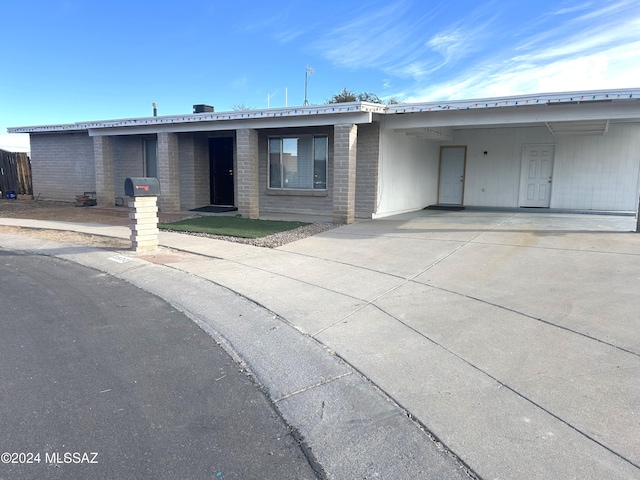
612,105
547,99
628,111
356,112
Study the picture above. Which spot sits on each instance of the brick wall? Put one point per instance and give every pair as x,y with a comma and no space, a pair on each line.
247,173
62,165
344,173
168,172
128,161
201,171
186,169
291,201
193,152
368,156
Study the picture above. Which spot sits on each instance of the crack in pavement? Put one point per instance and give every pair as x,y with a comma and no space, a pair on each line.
311,387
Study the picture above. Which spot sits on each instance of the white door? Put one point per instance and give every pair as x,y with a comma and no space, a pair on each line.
452,161
536,175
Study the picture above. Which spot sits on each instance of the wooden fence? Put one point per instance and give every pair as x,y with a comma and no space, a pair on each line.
15,173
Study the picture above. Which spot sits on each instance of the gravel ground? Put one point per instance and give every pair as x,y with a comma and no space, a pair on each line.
277,239
67,212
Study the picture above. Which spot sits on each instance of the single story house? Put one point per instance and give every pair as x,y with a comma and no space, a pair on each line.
576,151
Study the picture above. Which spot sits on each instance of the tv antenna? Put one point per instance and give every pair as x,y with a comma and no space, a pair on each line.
307,74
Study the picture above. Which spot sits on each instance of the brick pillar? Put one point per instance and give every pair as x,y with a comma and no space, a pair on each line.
345,138
103,164
168,174
143,222
247,173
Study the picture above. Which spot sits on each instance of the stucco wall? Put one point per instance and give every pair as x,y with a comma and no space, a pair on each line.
62,165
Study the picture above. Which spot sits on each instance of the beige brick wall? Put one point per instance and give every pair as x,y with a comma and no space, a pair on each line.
194,171
290,201
368,156
247,173
168,172
128,161
62,165
103,158
344,172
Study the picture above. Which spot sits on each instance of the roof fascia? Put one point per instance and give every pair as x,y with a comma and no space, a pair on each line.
623,111
518,100
356,112
252,123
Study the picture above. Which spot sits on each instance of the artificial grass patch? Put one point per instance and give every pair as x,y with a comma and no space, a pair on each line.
231,226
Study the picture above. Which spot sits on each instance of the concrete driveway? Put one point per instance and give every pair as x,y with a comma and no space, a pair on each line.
513,337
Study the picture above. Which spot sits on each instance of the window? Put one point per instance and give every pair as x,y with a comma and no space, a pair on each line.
150,157
298,162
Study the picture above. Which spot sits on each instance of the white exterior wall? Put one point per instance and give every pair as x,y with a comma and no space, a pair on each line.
590,172
493,180
598,172
408,173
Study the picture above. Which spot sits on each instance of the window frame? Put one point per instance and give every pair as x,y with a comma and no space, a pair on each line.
312,170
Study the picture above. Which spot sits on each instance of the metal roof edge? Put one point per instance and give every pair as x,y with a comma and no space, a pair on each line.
518,100
332,109
337,108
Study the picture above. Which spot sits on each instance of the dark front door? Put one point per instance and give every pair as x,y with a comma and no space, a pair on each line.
221,162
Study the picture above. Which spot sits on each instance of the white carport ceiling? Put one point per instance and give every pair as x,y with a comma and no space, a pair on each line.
582,127
431,133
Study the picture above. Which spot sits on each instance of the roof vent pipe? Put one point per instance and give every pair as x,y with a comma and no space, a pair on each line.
155,109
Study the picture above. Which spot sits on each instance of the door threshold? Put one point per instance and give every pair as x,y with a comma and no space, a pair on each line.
444,206
215,209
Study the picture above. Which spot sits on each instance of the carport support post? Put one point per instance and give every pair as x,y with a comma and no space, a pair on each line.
345,138
638,217
168,171
248,192
143,221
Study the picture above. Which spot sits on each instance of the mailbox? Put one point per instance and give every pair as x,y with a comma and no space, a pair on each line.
142,187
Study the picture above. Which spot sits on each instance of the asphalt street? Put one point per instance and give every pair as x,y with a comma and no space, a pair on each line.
100,379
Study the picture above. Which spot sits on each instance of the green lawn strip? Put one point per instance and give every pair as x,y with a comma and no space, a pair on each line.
231,226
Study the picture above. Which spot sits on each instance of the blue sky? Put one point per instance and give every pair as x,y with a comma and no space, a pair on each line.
64,61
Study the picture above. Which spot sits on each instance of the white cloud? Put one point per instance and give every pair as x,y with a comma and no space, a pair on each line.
375,39
618,67
286,36
398,42
572,9
240,82
601,50
446,42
